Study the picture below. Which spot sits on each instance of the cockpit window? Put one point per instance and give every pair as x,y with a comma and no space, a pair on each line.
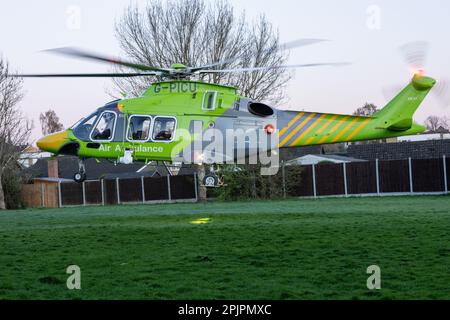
83,127
104,129
164,129
139,128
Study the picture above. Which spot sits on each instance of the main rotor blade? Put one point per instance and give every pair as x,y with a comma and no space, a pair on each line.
85,75
78,53
252,69
283,47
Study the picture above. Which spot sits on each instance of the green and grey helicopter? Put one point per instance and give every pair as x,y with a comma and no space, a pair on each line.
149,127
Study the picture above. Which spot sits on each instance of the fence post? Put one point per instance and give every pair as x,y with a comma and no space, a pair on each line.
169,192
143,189
103,191
59,195
344,167
42,195
283,175
445,174
117,190
314,180
195,186
410,175
84,193
377,169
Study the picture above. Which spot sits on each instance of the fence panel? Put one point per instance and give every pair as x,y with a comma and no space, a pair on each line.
330,179
156,189
361,177
71,194
303,184
93,192
31,195
110,191
394,176
182,187
428,175
51,197
130,190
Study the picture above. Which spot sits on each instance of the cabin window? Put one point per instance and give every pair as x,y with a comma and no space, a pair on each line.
164,128
104,129
209,100
139,128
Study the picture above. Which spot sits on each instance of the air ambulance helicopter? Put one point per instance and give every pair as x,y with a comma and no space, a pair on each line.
146,128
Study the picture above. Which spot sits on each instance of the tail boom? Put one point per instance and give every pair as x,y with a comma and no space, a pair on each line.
396,119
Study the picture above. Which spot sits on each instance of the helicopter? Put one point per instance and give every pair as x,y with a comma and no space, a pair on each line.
149,127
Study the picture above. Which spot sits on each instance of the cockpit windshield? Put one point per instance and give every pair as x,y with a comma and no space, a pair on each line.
82,129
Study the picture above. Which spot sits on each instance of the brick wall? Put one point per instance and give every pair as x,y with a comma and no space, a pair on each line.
401,150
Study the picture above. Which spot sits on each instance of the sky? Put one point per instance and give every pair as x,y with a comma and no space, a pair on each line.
366,33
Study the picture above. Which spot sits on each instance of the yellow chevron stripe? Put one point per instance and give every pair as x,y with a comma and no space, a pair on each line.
358,129
301,125
298,116
340,122
327,123
308,142
308,130
343,131
321,128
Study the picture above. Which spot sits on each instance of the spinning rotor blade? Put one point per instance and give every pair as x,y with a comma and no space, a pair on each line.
252,69
415,55
286,46
442,92
85,75
78,53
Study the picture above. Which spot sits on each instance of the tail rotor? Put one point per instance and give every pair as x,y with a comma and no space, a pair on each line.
415,55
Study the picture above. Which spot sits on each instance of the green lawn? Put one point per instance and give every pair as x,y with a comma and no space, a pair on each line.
293,249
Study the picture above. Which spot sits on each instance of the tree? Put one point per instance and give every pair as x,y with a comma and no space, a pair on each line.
195,34
14,128
50,122
367,110
433,123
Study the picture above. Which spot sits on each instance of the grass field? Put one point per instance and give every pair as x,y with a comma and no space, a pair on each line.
293,249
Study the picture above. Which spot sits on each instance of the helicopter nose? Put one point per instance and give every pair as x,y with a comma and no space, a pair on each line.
53,143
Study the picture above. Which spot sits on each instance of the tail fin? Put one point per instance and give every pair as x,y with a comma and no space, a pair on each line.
397,115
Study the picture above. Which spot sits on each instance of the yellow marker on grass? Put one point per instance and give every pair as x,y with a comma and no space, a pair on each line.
201,221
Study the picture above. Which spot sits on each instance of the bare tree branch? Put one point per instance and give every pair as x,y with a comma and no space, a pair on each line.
434,123
196,34
50,122
14,128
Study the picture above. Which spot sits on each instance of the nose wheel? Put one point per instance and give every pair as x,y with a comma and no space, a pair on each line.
80,176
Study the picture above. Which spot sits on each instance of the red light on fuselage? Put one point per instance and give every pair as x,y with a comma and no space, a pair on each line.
269,129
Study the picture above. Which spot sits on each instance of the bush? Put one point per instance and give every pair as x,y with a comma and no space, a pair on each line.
246,182
12,188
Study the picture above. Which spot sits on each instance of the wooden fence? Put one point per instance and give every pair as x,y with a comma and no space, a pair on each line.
410,176
111,192
394,177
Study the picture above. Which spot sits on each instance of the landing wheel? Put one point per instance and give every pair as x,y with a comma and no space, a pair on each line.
79,177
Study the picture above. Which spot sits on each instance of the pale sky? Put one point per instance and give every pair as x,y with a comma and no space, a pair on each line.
26,27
